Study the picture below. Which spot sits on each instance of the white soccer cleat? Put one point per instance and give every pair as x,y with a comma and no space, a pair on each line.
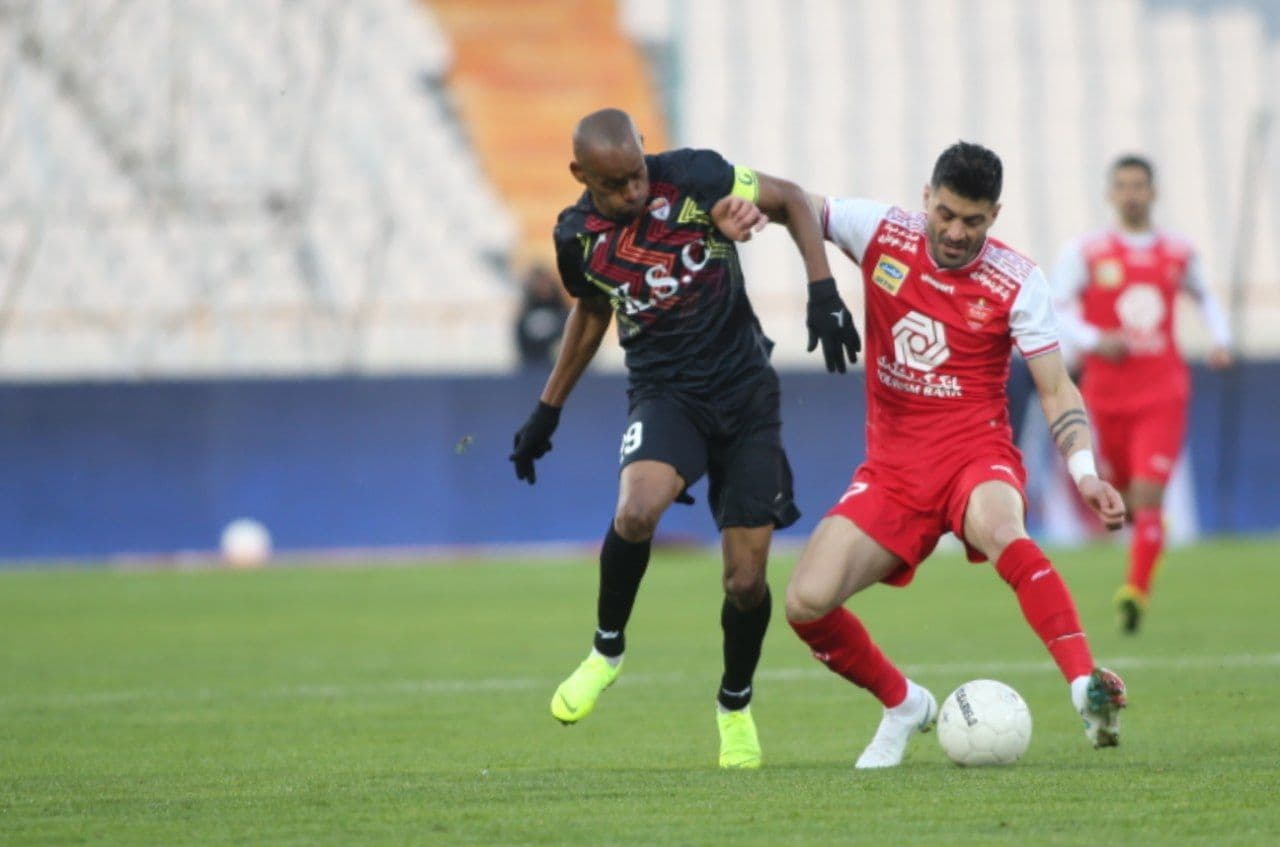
914,715
1098,698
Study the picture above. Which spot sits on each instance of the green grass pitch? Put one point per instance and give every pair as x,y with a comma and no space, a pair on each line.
408,705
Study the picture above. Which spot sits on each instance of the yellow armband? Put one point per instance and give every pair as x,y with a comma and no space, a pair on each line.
745,184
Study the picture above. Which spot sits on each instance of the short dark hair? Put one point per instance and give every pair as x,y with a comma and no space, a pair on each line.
970,170
1132,160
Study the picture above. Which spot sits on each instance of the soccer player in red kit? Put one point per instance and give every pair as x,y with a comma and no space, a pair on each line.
1116,290
945,305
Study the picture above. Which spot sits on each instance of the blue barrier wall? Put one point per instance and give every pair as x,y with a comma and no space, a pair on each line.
104,468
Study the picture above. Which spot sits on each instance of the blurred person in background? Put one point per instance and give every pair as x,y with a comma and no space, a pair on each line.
540,321
1115,289
650,240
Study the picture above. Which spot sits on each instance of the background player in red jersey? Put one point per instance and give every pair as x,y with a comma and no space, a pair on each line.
1116,290
945,304
646,242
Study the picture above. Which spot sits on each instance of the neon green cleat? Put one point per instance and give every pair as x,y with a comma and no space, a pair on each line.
577,695
739,743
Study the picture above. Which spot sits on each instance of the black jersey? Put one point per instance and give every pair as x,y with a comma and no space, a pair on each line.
674,281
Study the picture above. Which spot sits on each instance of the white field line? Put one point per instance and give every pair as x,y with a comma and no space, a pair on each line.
443,687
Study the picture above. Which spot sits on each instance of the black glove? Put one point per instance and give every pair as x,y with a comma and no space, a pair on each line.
533,440
829,320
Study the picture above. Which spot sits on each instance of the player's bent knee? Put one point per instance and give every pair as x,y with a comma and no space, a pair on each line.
805,604
636,520
1145,494
745,587
992,540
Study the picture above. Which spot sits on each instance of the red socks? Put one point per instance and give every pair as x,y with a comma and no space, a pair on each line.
840,641
1145,548
1047,606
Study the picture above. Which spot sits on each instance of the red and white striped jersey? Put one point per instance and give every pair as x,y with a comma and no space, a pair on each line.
938,340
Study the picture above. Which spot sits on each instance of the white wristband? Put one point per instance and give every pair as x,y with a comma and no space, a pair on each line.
1080,464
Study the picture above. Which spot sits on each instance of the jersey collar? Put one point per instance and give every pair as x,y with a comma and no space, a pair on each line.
1136,240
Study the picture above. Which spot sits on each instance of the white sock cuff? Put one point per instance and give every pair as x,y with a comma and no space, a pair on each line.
911,702
613,661
1079,690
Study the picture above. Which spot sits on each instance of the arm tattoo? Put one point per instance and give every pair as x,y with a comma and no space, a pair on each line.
1066,429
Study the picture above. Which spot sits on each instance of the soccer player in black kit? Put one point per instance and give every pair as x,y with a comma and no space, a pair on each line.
652,241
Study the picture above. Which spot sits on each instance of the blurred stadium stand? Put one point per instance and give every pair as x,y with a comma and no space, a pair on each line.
197,192
216,187
209,187
549,62
859,98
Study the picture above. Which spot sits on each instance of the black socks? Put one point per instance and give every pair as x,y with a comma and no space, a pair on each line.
622,566
743,638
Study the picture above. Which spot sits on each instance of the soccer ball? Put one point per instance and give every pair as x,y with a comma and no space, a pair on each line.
245,543
984,722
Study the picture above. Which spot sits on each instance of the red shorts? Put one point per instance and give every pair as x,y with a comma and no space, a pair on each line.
1142,444
907,517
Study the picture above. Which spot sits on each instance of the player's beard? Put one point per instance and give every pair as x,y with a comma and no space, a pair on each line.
941,249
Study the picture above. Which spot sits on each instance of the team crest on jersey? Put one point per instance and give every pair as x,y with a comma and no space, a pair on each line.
979,312
889,274
1109,273
660,208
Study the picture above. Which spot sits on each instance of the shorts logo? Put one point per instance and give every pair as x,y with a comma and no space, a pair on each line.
889,274
854,490
920,342
631,440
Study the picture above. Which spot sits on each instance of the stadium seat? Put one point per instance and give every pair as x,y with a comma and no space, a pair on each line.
175,181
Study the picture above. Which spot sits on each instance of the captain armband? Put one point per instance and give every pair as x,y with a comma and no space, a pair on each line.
745,184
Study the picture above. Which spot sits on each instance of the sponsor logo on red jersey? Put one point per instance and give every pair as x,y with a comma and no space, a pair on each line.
1109,273
890,274
945,288
920,342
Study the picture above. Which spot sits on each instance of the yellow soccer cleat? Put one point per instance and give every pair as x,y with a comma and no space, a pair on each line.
577,695
1131,604
739,743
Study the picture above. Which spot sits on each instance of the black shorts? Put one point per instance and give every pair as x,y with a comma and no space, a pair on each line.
736,442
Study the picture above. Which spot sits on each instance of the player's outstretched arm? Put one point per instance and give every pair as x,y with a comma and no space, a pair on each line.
828,319
583,331
1069,427
787,203
585,328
